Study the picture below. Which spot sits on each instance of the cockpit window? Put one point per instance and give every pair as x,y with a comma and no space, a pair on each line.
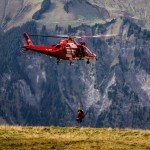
87,50
71,45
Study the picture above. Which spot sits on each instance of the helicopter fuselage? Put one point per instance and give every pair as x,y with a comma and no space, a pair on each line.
67,49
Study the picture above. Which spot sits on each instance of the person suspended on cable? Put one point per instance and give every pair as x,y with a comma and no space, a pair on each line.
80,116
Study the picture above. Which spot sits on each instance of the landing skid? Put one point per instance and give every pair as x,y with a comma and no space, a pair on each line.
58,61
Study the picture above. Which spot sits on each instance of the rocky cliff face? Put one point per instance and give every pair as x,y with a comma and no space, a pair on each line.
113,91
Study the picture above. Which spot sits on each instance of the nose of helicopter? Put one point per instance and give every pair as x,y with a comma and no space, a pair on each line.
94,55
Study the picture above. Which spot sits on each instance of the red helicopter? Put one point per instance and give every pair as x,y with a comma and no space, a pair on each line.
67,48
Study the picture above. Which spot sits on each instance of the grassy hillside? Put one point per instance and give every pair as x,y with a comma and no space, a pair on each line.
138,9
17,137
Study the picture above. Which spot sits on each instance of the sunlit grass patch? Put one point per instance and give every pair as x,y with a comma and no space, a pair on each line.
70,138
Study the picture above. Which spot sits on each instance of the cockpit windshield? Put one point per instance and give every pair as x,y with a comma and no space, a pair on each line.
87,50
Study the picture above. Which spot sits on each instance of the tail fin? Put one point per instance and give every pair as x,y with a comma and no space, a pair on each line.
28,40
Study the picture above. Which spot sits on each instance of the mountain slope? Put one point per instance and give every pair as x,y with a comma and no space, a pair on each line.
137,9
113,91
16,12
73,12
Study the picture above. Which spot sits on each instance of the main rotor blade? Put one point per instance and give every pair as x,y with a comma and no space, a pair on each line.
76,37
53,36
95,36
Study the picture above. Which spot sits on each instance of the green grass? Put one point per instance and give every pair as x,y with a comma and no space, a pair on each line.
71,138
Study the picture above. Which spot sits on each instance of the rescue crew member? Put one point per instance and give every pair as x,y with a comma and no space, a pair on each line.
80,116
